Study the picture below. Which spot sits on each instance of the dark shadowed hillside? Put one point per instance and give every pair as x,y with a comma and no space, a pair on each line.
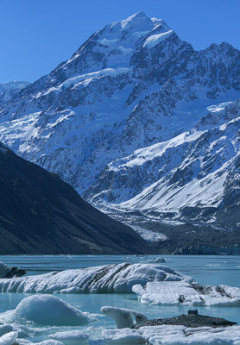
41,214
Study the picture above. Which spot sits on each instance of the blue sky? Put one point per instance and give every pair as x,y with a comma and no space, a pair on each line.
37,35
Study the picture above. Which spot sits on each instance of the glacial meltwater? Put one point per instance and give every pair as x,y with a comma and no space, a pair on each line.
206,270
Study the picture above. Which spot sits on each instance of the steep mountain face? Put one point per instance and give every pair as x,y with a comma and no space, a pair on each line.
138,121
41,214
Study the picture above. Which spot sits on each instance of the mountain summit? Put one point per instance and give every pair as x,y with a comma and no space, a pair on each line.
137,121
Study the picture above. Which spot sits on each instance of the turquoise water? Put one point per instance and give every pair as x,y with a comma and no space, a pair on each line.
207,270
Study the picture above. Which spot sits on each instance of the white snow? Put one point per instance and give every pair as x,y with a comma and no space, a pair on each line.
123,317
149,153
183,293
153,40
218,107
207,191
85,79
101,279
46,310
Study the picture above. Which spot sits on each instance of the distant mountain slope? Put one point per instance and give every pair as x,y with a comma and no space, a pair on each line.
10,90
189,177
138,121
40,214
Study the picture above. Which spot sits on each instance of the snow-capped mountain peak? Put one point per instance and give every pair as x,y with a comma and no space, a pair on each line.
136,116
137,22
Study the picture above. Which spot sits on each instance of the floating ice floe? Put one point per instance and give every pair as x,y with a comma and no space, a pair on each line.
46,310
71,337
123,317
187,293
102,279
174,335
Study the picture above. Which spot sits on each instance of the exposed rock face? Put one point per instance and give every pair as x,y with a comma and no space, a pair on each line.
41,214
138,121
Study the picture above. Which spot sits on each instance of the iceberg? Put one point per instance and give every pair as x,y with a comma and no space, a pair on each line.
46,310
101,279
187,293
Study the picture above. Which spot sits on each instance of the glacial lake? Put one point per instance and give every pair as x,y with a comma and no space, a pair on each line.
206,270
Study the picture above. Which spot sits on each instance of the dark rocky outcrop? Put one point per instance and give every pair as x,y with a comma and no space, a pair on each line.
190,320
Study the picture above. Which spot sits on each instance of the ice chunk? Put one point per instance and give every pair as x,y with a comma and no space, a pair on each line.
9,339
124,336
71,337
123,317
47,310
185,293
